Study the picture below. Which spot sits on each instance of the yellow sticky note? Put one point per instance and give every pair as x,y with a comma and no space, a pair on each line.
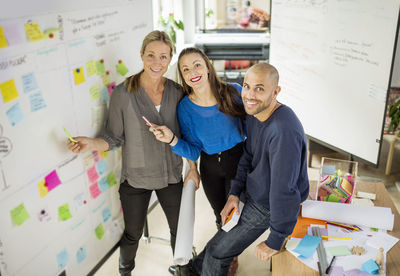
104,154
8,91
94,92
43,191
106,79
3,40
79,76
91,68
33,32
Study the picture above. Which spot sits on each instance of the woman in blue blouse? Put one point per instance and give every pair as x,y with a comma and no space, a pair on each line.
210,119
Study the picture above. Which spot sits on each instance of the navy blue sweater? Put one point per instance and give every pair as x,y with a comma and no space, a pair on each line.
273,170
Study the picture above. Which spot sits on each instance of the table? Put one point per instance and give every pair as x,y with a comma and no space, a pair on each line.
284,263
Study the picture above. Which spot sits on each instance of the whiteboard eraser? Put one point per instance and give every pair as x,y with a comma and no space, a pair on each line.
233,218
366,195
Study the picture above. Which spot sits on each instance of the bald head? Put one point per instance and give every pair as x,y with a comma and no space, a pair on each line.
266,69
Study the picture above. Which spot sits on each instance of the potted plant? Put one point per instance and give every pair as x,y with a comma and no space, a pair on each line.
394,114
170,25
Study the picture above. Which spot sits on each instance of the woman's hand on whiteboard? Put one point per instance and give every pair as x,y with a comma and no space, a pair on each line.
82,145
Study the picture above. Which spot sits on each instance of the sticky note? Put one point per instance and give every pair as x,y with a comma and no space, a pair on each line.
307,246
8,90
33,32
370,267
88,161
99,231
80,200
121,68
29,82
79,76
81,255
338,250
105,79
15,115
94,190
52,180
94,92
64,213
105,97
104,154
103,184
101,166
62,258
100,68
111,88
14,34
3,40
106,214
96,156
37,102
91,68
92,174
43,191
19,214
111,179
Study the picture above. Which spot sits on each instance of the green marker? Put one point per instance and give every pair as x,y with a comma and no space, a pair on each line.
69,136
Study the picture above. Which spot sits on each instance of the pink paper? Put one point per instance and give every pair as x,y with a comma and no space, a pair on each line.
96,156
92,174
14,33
94,190
52,180
111,87
336,271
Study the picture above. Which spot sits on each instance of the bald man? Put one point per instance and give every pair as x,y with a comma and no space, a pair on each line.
272,173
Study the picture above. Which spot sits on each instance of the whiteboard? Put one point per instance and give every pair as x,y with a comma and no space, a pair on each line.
60,212
334,58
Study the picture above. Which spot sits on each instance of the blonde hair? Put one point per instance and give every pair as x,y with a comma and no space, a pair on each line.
132,83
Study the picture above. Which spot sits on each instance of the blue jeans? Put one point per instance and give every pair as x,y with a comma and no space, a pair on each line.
224,246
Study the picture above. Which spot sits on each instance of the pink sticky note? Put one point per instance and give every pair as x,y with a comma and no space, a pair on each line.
52,180
96,156
15,34
94,190
111,87
92,174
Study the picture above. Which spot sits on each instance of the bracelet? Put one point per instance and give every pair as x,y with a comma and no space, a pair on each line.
173,137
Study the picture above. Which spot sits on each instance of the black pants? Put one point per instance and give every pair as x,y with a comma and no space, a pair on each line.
134,203
217,171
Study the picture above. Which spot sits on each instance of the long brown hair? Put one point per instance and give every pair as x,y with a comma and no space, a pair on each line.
228,98
132,82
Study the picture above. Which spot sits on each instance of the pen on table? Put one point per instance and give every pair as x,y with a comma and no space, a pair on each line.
330,265
343,225
338,238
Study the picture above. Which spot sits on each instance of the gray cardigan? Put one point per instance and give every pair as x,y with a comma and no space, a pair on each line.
146,162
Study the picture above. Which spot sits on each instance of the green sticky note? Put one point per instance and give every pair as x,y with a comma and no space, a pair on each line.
99,231
101,70
94,92
64,213
19,214
338,250
91,68
111,179
121,68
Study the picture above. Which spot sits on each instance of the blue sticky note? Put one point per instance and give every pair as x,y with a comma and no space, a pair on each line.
15,115
81,255
307,246
105,97
62,258
29,82
101,166
103,184
370,267
106,214
37,101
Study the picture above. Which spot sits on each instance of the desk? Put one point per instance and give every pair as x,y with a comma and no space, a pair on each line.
284,263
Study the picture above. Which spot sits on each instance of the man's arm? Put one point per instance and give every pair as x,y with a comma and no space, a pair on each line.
239,182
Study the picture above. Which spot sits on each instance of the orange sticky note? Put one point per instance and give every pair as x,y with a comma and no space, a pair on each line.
3,40
8,91
79,76
33,32
43,191
300,229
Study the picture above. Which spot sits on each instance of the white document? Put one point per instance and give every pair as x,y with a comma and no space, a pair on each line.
184,235
233,218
